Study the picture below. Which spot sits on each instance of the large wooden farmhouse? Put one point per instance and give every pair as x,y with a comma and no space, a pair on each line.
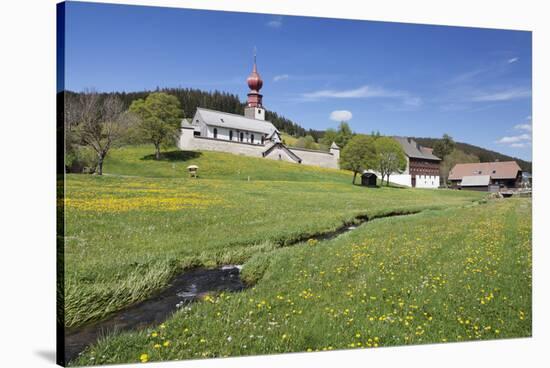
486,176
422,169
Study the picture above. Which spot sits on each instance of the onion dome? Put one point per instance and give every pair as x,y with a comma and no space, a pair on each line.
254,80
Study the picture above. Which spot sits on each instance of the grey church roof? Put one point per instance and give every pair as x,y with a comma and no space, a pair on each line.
414,150
234,121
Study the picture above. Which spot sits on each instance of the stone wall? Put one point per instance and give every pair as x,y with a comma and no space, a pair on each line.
316,158
189,142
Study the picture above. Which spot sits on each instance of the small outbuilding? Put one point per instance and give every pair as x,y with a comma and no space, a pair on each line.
369,179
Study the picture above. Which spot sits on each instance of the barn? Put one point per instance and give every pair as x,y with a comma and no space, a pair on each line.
486,176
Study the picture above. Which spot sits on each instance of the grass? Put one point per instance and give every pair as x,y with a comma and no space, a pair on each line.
129,231
443,275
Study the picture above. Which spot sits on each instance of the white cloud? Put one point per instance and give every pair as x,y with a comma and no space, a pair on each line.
276,22
506,95
516,139
361,92
527,127
519,145
364,92
341,115
280,77
512,60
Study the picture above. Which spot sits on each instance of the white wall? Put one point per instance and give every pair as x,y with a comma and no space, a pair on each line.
316,158
223,134
279,154
401,179
427,181
188,141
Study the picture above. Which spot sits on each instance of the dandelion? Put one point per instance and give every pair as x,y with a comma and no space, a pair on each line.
157,346
144,358
154,334
166,343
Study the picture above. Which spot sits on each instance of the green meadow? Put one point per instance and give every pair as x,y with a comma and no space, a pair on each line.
458,270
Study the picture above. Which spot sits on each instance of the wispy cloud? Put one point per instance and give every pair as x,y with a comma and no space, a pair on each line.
280,77
515,139
512,60
525,127
276,22
502,95
341,115
364,92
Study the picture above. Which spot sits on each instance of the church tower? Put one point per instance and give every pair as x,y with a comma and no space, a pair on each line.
254,108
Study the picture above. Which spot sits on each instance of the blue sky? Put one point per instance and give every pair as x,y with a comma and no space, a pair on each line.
399,79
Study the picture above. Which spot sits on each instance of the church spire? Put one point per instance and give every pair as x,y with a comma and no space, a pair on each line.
255,83
254,108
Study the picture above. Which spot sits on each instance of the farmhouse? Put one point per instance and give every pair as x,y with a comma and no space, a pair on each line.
422,169
486,176
249,135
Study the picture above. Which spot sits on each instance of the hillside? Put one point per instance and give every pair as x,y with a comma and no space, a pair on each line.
139,161
484,155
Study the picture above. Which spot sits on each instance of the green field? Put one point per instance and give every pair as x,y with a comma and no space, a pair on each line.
392,281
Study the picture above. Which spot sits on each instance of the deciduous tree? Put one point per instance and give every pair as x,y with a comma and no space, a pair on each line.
98,122
359,154
160,117
390,157
444,146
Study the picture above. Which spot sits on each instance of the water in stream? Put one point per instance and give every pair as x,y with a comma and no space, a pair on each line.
183,289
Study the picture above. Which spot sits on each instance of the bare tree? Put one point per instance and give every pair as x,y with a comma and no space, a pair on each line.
98,121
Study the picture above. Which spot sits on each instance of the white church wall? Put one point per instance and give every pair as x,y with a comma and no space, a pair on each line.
427,181
223,134
210,144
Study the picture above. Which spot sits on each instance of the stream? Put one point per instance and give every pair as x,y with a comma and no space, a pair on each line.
183,289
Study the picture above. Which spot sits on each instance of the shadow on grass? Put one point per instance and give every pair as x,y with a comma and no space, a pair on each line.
173,156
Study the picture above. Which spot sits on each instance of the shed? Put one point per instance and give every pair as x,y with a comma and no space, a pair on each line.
369,179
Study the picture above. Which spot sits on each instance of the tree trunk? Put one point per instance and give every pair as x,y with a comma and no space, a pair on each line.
157,151
354,175
100,164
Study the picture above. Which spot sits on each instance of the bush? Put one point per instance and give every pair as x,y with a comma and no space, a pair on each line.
80,159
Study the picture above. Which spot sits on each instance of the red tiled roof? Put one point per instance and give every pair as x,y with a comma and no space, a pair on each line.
497,170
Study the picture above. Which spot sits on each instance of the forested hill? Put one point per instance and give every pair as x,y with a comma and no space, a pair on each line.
484,155
190,99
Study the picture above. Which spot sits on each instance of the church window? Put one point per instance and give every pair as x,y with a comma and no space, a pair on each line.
242,136
252,138
215,133
263,139
230,135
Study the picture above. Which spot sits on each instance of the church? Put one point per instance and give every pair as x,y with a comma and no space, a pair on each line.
249,134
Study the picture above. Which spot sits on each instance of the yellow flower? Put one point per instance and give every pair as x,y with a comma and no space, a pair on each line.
157,346
144,358
154,334
166,343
